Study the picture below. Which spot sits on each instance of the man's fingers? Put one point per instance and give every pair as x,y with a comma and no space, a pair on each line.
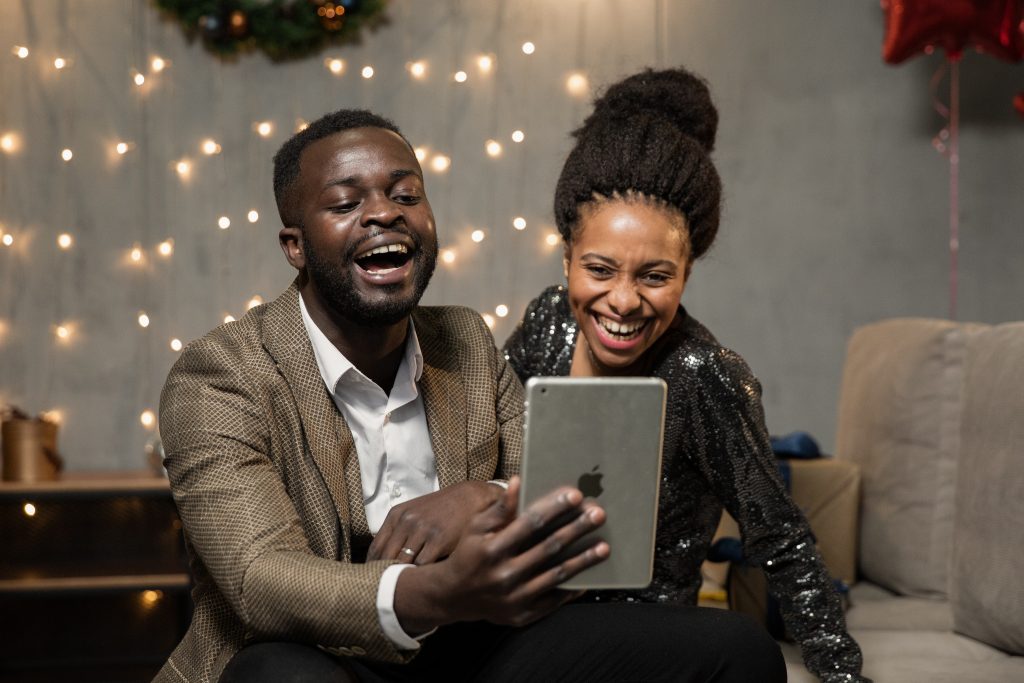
562,572
537,517
499,512
380,541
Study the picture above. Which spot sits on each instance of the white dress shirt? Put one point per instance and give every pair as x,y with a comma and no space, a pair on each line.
396,458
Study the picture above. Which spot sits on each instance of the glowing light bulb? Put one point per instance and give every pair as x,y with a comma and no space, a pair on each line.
139,79
209,147
149,598
224,222
29,509
477,236
175,344
460,76
7,240
577,84
229,318
529,48
493,148
143,319
8,142
501,310
485,63
301,125
421,153
418,69
147,418
157,64
254,302
264,128
518,136
253,216
20,51
367,72
551,240
59,63
63,332
64,240
489,319
55,416
183,168
440,163
66,154
519,223
335,66
136,254
447,256
121,147
165,248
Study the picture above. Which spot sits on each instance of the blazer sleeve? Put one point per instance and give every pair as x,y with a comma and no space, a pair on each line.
731,445
238,517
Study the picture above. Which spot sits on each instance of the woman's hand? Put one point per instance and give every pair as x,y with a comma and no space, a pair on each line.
428,528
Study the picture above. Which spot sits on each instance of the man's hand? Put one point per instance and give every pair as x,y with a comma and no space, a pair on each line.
431,525
504,569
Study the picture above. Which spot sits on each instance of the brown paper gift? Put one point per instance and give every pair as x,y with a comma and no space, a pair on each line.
29,450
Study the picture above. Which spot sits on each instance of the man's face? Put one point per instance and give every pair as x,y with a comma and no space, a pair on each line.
368,237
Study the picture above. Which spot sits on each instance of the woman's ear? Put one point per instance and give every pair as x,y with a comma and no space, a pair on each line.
566,259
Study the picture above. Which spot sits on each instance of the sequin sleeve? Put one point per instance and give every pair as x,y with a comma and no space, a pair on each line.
728,438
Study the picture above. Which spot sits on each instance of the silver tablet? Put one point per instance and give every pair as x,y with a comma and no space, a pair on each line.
602,435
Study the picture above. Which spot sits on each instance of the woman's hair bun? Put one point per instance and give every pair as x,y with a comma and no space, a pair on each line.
676,95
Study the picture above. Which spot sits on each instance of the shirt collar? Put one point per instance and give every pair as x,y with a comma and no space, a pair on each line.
333,364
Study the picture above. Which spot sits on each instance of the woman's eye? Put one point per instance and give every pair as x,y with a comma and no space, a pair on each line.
656,278
599,271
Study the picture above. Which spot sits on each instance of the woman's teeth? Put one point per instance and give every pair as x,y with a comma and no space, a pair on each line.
621,331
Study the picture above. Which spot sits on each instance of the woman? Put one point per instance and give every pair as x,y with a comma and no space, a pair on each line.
637,203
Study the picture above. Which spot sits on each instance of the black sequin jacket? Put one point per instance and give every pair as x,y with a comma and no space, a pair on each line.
716,453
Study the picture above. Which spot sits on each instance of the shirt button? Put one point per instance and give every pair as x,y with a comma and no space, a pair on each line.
396,491
387,417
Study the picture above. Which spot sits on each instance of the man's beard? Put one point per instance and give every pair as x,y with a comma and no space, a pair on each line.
336,283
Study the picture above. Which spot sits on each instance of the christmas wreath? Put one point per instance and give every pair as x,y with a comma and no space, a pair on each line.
283,29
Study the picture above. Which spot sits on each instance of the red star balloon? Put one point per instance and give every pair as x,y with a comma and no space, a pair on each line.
915,26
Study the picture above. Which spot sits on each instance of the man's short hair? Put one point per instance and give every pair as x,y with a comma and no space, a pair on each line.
286,161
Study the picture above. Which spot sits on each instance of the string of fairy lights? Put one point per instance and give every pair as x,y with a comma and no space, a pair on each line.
148,77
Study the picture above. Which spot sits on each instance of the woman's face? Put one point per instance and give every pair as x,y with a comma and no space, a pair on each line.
627,267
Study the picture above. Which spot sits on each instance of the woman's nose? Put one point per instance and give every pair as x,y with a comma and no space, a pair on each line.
624,299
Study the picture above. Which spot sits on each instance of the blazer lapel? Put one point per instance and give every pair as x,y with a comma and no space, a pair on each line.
330,440
444,400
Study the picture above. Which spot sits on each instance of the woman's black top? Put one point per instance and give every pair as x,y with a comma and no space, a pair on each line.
716,453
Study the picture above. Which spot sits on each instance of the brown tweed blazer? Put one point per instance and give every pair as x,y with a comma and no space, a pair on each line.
266,478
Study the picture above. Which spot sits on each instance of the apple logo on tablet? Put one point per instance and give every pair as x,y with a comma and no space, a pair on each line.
590,483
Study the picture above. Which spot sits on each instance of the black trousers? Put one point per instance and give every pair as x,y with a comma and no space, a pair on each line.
579,642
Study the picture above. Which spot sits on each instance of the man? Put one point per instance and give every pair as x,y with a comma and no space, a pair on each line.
339,457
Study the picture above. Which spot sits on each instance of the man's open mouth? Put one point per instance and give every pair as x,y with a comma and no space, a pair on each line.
383,259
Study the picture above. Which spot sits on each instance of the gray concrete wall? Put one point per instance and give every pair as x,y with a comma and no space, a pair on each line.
836,213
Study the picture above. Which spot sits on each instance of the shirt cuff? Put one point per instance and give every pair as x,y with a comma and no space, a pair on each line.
386,610
500,482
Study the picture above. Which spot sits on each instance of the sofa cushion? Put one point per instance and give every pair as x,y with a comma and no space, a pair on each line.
899,420
986,590
873,607
915,656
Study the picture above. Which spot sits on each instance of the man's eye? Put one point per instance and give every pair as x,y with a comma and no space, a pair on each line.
344,207
407,199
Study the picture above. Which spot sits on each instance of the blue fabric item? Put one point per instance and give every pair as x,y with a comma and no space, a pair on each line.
727,549
796,445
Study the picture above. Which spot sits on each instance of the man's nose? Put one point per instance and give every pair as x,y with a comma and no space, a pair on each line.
380,210
624,297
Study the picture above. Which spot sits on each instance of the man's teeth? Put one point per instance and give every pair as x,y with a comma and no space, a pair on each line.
620,329
386,249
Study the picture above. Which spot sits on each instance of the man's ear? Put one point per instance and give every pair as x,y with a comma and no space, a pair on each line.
291,243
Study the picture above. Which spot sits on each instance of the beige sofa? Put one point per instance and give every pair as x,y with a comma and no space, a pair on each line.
932,412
